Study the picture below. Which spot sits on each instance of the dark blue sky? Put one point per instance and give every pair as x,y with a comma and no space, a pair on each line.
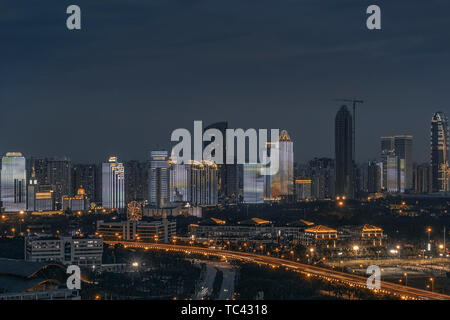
139,69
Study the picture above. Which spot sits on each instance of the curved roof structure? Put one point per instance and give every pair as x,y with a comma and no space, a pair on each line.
19,275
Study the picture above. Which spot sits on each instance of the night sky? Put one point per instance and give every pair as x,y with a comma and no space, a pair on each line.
139,69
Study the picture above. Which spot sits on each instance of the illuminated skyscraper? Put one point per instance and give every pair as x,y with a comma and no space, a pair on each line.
253,183
59,177
13,182
223,179
113,184
159,192
401,169
282,183
195,182
439,152
344,153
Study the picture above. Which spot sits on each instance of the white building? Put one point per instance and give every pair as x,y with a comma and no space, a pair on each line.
140,231
113,186
84,252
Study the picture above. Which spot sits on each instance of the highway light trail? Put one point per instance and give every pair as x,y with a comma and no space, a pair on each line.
351,280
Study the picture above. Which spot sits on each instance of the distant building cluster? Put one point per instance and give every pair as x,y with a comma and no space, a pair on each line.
54,184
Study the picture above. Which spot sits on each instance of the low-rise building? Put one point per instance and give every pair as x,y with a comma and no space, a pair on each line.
320,232
81,251
140,231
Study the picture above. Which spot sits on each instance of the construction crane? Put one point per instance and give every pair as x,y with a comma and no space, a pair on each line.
354,103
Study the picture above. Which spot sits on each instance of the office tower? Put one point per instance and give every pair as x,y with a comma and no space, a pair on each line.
159,179
282,183
322,174
439,152
403,150
13,182
136,181
235,182
180,182
59,175
78,203
374,171
396,177
253,184
195,182
344,161
422,178
113,184
303,189
39,167
223,180
32,189
398,146
204,183
85,176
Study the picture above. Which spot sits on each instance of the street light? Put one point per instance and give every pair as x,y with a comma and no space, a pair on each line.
406,279
432,284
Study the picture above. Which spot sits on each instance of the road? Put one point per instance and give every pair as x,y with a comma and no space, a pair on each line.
351,280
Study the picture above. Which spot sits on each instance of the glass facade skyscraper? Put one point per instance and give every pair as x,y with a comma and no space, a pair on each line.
400,148
13,182
253,183
159,177
195,182
282,183
344,153
439,152
113,184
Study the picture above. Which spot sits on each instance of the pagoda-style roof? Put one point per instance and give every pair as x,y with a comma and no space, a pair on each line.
213,221
321,229
254,222
371,228
301,223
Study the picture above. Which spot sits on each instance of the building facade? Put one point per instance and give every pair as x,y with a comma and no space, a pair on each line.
439,152
13,182
84,252
113,184
344,162
159,179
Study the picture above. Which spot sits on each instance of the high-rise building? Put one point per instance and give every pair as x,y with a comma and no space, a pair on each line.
422,178
235,182
321,173
59,175
344,153
85,176
439,152
399,146
13,182
113,184
374,171
395,174
223,168
303,189
194,182
159,180
78,203
253,183
204,181
136,181
282,183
